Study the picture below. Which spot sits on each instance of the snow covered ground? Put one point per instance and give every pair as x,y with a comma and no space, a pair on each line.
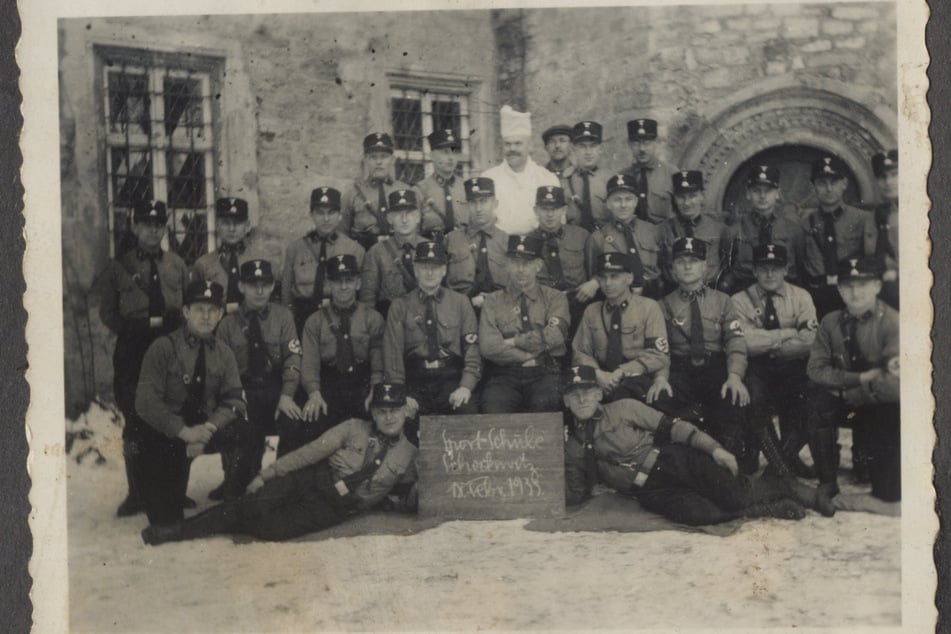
819,572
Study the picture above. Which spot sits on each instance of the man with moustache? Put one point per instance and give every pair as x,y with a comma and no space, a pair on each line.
557,140
585,185
223,265
651,176
443,199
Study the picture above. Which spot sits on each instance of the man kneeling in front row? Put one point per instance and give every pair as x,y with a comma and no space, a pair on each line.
669,465
349,469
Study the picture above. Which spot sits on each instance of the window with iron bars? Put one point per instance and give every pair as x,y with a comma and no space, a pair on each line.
416,114
158,118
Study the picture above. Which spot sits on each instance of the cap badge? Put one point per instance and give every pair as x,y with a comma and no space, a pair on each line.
475,187
431,253
854,263
689,245
342,266
449,136
762,176
620,180
324,199
887,161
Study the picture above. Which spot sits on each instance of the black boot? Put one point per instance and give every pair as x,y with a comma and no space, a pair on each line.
770,444
822,444
160,533
792,442
132,505
784,509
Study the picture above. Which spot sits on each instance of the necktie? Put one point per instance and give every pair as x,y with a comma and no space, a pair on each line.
590,459
156,299
615,355
829,257
450,220
320,273
344,356
765,231
380,213
697,353
194,405
638,266
689,226
857,360
525,324
770,319
370,464
231,268
552,261
883,246
483,276
431,330
409,274
641,186
587,218
258,361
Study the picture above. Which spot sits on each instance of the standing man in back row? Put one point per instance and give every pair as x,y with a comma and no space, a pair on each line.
585,184
652,177
223,265
443,199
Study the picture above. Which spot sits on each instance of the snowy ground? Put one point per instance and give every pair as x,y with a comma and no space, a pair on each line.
819,572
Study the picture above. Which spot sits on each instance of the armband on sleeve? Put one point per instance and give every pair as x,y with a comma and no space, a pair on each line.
662,436
686,433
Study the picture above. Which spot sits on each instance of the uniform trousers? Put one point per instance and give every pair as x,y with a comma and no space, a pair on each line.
779,387
431,389
517,389
262,404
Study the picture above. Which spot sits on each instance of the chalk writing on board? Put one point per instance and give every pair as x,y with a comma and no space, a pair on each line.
473,454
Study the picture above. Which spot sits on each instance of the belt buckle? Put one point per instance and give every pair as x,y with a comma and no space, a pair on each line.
432,365
698,362
156,322
640,479
832,280
341,487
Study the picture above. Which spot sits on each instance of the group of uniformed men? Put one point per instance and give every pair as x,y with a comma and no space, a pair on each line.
612,303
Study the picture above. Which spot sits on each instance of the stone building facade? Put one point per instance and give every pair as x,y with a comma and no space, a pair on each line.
274,105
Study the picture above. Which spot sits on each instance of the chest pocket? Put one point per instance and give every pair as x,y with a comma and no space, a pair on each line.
508,322
305,268
851,238
448,333
393,280
361,343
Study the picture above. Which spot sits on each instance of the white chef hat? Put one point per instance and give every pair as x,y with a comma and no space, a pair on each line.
514,123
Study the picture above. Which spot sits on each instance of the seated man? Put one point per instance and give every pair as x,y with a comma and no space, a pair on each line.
321,484
669,465
522,336
855,365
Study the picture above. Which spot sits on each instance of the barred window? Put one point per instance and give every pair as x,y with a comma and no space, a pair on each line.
416,112
158,117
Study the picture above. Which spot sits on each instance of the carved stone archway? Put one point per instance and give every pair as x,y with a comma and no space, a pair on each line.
795,115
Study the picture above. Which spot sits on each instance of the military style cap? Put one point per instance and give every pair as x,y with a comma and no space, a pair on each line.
402,200
431,252
586,131
763,175
578,377
884,161
340,266
440,139
378,142
770,254
550,196
641,129
859,269
687,181
479,187
257,271
621,182
388,395
689,246
150,211
614,263
829,167
524,247
207,292
561,128
325,197
231,209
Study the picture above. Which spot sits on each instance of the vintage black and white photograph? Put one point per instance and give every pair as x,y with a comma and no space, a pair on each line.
501,318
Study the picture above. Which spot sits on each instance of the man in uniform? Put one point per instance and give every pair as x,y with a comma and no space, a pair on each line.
779,322
190,401
518,176
669,465
557,140
855,365
759,226
651,176
834,233
431,342
140,300
625,233
885,168
477,252
222,266
342,347
690,221
443,197
522,336
707,351
365,203
304,279
587,188
388,267
624,338
347,471
264,341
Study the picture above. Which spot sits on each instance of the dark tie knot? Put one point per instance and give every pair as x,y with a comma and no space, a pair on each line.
552,235
236,248
445,181
613,308
152,256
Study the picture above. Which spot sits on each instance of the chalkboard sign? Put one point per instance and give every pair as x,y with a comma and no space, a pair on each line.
499,466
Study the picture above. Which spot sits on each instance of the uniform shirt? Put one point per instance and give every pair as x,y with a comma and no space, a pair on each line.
740,238
433,199
211,266
722,330
346,447
571,241
659,186
573,184
319,345
515,192
706,228
167,374
462,244
381,278
797,322
125,284
405,335
855,236
280,341
300,263
361,200
889,213
501,319
877,334
643,336
609,238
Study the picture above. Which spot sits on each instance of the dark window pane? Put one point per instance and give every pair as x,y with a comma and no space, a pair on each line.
129,103
446,116
407,124
131,176
410,171
186,179
122,236
183,104
188,236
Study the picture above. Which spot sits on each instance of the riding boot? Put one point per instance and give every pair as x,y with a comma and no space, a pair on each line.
792,443
132,505
825,452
